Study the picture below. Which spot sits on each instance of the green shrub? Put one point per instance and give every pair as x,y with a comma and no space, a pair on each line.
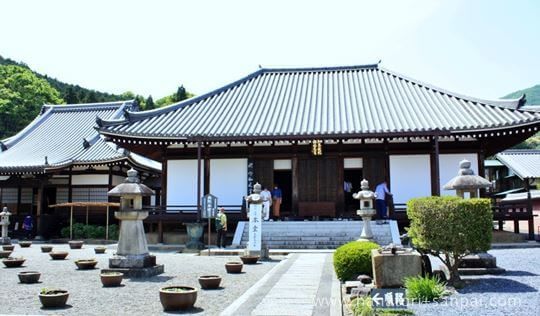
424,289
450,228
363,306
81,231
353,258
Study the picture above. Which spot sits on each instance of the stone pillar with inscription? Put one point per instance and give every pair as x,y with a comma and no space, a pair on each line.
255,205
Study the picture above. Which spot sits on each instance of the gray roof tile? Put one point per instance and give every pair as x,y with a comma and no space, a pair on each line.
347,101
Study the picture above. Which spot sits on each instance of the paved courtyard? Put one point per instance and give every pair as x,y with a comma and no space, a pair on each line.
137,297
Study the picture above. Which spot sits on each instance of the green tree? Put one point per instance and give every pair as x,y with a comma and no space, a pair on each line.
181,94
22,94
70,96
150,103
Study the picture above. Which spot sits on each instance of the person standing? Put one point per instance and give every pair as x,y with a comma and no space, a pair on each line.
28,226
221,227
277,199
380,201
267,202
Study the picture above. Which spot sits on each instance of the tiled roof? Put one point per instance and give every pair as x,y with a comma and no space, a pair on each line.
353,101
63,135
524,163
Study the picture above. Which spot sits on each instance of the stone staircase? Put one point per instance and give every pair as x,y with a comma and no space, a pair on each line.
315,234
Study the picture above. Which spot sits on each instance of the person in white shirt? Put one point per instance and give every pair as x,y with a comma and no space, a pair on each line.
267,202
380,201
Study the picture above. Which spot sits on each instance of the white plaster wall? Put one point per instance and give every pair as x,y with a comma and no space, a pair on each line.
410,177
449,167
116,180
228,180
352,163
90,179
182,181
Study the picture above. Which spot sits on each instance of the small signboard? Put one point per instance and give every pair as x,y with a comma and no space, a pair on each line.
255,227
389,298
209,206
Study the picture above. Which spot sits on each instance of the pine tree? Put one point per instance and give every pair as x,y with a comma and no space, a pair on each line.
70,96
150,103
181,94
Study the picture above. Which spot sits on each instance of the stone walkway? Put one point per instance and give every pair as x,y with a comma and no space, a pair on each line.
304,284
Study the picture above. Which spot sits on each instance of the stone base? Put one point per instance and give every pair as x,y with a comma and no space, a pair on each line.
479,264
389,270
138,272
5,241
195,245
132,261
479,260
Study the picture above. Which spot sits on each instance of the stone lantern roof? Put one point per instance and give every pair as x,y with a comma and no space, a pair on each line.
466,179
131,186
365,193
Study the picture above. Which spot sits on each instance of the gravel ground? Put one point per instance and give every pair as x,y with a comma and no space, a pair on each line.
517,292
136,297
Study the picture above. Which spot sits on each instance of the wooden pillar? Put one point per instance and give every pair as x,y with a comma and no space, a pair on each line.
435,173
481,171
39,210
294,162
163,207
530,220
199,179
206,182
340,196
19,197
70,188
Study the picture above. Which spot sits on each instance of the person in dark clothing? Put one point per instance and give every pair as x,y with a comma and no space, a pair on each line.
28,227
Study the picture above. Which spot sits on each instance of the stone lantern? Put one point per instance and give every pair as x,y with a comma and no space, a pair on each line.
366,210
467,182
4,221
132,257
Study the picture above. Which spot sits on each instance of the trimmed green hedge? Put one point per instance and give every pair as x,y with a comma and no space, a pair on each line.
81,231
353,258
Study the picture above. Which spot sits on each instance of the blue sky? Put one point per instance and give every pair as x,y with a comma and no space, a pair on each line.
480,48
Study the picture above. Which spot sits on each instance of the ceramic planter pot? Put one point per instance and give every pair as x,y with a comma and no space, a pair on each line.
233,267
58,255
209,281
46,249
177,297
13,262
5,253
75,244
25,244
110,279
86,264
53,298
249,259
99,250
8,247
29,277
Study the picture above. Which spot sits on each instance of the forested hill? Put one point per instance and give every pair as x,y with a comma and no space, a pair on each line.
70,93
23,92
532,95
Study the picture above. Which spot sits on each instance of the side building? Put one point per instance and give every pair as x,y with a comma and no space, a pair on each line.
310,131
60,157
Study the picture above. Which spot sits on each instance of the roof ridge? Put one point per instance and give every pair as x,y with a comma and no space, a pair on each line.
85,106
321,69
512,104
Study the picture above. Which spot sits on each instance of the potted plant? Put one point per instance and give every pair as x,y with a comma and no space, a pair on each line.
53,297
247,259
46,249
209,281
5,253
177,297
86,264
110,279
12,262
29,276
100,249
58,255
233,267
25,243
8,247
75,244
